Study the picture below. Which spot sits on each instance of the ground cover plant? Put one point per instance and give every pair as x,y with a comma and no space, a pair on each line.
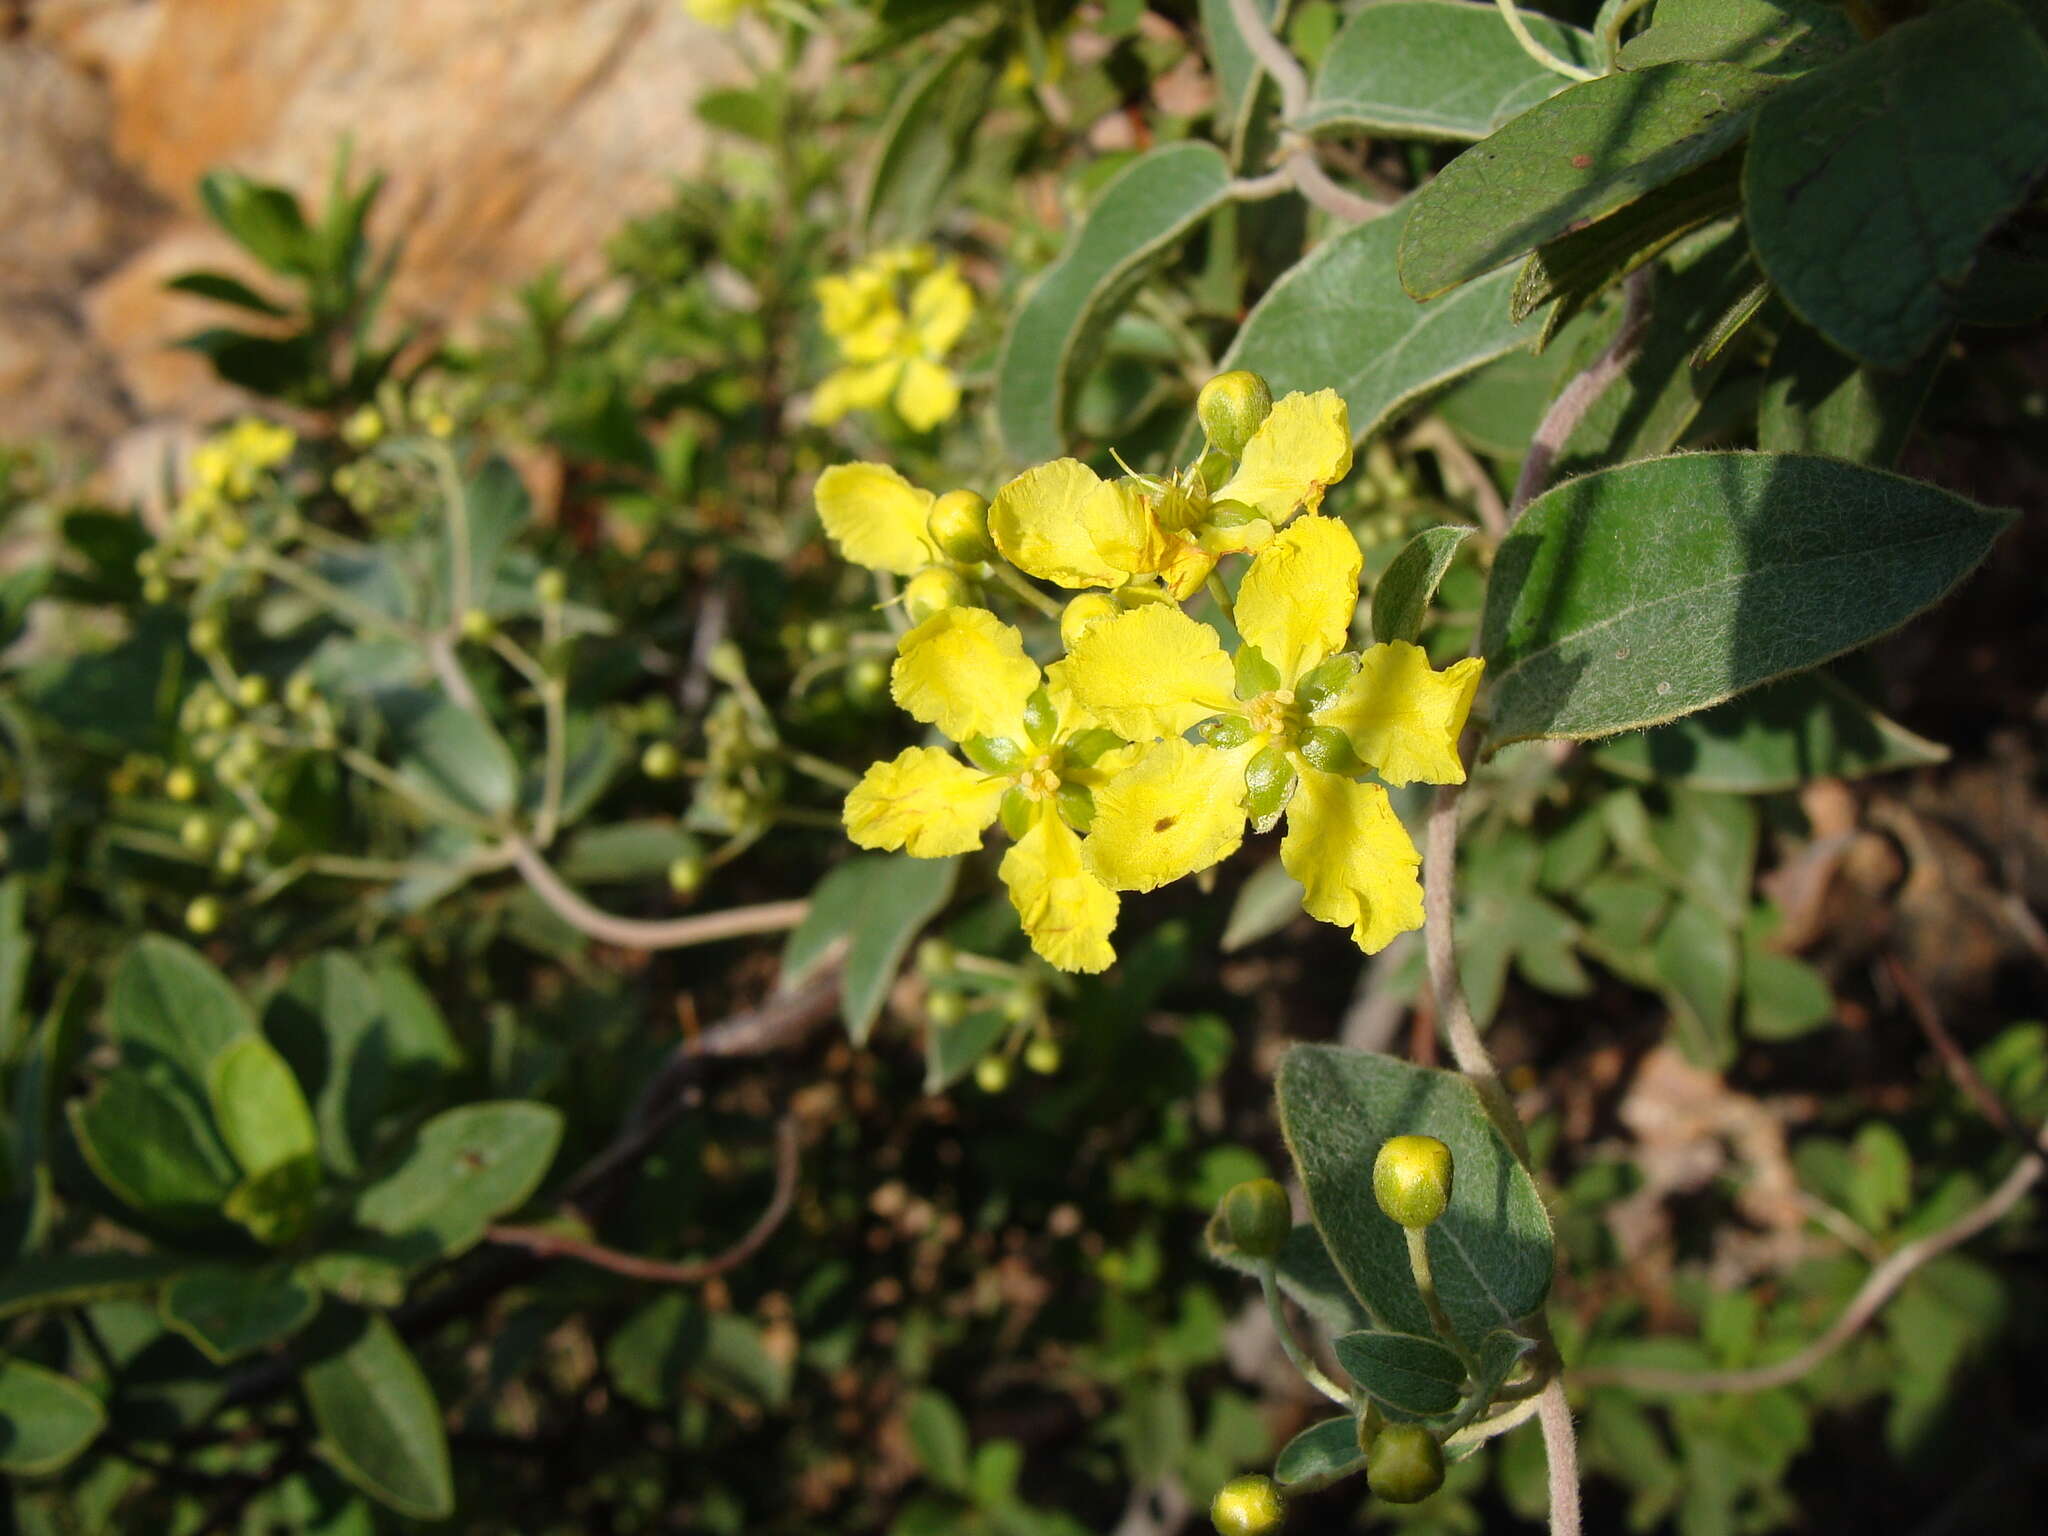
1241,763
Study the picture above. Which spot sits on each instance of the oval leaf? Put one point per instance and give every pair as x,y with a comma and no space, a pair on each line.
451,754
45,1419
1576,158
1857,207
467,1167
1491,1250
878,903
1645,592
170,1006
1421,69
227,1310
1409,1376
151,1146
1401,600
79,1279
1321,1454
1143,211
378,1418
258,1108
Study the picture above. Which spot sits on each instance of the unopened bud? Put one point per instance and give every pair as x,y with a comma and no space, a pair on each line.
196,833
181,784
477,626
936,957
1257,1218
661,760
933,590
958,523
550,588
1411,1179
992,1074
686,874
1248,1506
1230,408
1042,1055
202,916
252,692
945,1009
1405,1464
1083,614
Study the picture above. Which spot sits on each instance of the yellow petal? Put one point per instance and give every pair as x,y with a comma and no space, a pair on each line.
876,517
1036,521
1150,672
1356,864
1303,445
861,388
1122,528
940,306
925,801
926,395
965,671
1404,719
1068,913
1296,601
1177,810
847,302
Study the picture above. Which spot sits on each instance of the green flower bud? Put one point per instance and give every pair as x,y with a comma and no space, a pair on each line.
958,523
181,784
477,626
1248,1506
550,588
1042,1055
363,427
1230,408
202,916
205,635
1083,614
155,590
244,835
824,637
1022,1004
301,692
218,715
1370,1423
686,873
992,1074
1411,1179
936,957
252,692
1257,1218
1405,1464
867,679
945,1009
196,833
933,590
661,760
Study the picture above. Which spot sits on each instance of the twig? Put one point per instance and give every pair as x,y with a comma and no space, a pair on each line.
1578,397
1561,1452
1966,1076
1878,1288
1512,15
647,933
661,1272
1461,466
1314,183
1298,167
1273,56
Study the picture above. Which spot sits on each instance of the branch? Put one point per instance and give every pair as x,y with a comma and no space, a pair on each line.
1298,167
1273,56
1578,397
646,933
559,1245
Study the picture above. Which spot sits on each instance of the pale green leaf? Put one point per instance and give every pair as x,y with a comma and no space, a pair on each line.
1322,1453
258,1107
1400,602
171,1007
45,1419
380,1425
467,1167
1700,960
877,904
450,755
1268,901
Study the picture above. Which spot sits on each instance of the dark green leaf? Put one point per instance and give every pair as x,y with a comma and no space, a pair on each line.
951,1050
624,852
379,1423
223,289
1857,208
327,1021
1700,961
1306,1274
938,1437
1783,36
45,1419
79,1279
923,142
1400,602
172,1009
152,1148
467,1167
1776,738
1819,400
1578,157
1641,593
279,366
877,903
228,1310
1231,61
1053,338
655,1348
1339,319
1420,69
1322,1453
264,220
1490,1252
1782,998
1409,1376
451,754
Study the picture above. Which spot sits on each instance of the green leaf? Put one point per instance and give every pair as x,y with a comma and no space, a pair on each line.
1421,69
1323,1453
228,1310
467,1167
1307,1275
951,1050
223,289
1880,1177
1708,844
624,852
258,1108
1144,210
264,220
279,366
497,510
923,143
1700,961
1581,155
450,754
1409,1376
379,1423
45,1419
1268,901
1235,70
172,1011
1818,400
1491,1250
1644,592
1400,602
1339,319
938,1437
654,1349
1783,36
17,949
1872,181
1782,998
152,1148
80,1279
327,1020
877,903
1809,726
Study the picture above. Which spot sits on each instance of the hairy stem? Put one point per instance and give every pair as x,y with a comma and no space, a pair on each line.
1561,1452
1298,1357
645,933
1512,15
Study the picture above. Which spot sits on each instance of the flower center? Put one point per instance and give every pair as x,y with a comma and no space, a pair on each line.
1273,714
1037,778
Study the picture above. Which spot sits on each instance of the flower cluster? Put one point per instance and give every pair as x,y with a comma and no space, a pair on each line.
894,318
1145,752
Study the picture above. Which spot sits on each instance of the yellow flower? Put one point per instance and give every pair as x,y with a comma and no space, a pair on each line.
876,517
230,464
1033,758
893,350
1291,721
1063,523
